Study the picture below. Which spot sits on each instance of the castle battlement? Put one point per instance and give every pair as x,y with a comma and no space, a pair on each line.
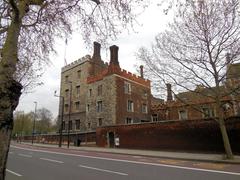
76,63
133,76
120,72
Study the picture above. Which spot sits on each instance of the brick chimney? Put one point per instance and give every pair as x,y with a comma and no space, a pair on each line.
96,51
141,71
169,92
228,58
114,55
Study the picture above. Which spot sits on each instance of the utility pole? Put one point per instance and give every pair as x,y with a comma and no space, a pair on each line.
34,119
62,113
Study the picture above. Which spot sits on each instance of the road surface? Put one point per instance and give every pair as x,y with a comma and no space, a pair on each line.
32,163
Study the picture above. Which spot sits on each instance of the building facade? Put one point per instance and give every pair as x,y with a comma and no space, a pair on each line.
97,94
200,103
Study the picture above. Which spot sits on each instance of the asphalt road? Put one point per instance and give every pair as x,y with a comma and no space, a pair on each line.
25,163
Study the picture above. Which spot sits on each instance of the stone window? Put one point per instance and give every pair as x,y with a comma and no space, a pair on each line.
70,125
127,88
90,92
88,108
129,120
144,108
66,107
208,112
144,120
79,72
130,106
89,125
66,93
78,91
154,117
99,90
77,123
182,114
66,79
99,106
144,93
77,105
100,121
63,125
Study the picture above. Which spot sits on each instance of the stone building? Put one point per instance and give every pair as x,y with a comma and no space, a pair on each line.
102,94
199,104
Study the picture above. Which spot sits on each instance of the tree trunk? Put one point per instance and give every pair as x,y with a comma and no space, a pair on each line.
10,90
226,143
221,121
5,136
8,97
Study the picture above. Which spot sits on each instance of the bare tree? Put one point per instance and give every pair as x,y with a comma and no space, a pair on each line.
197,49
28,29
44,120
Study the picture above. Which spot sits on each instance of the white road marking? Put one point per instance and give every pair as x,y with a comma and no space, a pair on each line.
10,152
52,160
137,156
19,175
25,155
134,162
103,170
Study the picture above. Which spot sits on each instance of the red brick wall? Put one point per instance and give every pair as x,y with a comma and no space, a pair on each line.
54,139
195,135
121,72
138,98
193,111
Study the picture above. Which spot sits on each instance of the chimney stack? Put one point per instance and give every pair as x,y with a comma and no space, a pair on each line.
169,92
141,71
114,55
96,51
228,58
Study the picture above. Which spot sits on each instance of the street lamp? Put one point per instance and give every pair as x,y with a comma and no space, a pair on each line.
69,114
34,119
61,126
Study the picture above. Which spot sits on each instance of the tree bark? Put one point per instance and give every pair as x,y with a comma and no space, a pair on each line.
5,135
10,90
225,138
226,143
6,121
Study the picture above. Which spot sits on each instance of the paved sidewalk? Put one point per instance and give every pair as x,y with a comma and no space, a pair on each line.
217,158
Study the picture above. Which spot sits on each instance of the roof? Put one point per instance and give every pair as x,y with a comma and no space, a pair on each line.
233,71
199,93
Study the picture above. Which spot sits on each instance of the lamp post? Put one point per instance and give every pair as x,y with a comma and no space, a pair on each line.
22,127
69,114
34,119
61,126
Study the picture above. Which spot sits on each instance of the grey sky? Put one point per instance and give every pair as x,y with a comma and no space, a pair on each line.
153,21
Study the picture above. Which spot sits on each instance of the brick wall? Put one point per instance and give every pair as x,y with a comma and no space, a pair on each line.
170,110
139,95
86,138
191,135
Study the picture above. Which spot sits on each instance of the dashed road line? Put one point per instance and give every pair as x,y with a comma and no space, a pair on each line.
25,155
104,170
52,160
16,174
134,162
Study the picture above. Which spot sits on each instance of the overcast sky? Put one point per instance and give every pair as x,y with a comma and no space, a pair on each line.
153,21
